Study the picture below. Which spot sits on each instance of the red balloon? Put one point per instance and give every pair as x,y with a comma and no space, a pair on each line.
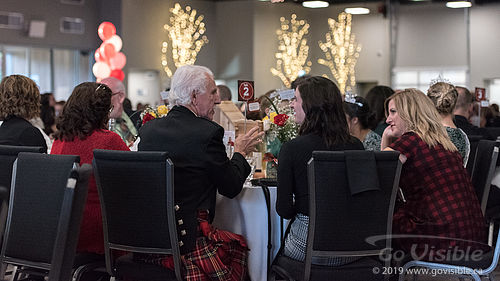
118,74
107,50
106,30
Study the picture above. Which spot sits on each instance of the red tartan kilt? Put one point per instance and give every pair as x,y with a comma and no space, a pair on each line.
218,255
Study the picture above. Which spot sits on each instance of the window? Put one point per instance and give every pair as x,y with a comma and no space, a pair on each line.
54,70
40,68
422,78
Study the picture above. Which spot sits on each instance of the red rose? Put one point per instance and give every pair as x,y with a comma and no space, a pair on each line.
147,117
280,119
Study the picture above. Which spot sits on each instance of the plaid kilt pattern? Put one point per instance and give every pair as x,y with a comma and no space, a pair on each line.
441,201
218,255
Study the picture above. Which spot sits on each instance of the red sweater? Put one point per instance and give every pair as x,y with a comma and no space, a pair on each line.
91,232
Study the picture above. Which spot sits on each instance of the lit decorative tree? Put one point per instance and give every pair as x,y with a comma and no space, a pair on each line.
341,51
186,36
293,50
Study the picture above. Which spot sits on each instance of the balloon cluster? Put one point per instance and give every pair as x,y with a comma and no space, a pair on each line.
109,59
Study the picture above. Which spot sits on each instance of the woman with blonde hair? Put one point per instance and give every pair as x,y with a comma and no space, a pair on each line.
441,212
444,96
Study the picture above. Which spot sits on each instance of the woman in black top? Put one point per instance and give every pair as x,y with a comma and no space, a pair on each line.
19,102
323,126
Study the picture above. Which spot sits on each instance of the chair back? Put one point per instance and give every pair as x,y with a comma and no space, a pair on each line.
484,169
8,154
494,132
47,198
340,223
136,193
474,141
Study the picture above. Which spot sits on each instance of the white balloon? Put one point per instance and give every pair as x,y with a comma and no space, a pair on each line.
101,70
116,41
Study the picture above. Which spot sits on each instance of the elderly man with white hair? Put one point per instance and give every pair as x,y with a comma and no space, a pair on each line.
123,126
201,168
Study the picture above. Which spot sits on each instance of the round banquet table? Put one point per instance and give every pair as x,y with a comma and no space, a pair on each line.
246,214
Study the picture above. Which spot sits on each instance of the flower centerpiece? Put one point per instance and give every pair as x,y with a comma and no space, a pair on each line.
151,113
280,127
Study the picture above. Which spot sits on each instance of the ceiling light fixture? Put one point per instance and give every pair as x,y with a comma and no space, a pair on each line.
315,4
458,4
357,11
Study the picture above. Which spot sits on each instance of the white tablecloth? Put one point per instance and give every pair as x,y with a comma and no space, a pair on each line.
246,214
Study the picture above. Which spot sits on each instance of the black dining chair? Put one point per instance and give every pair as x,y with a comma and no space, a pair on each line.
136,191
8,154
474,141
343,223
47,199
483,170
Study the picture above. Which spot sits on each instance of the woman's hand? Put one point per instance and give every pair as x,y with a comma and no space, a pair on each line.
387,137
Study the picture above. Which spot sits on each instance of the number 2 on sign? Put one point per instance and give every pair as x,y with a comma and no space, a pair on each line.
246,94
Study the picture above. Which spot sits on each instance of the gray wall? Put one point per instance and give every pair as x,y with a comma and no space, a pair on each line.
371,32
143,33
485,42
430,35
243,40
235,42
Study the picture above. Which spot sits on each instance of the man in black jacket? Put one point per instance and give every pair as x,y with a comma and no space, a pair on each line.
463,111
194,143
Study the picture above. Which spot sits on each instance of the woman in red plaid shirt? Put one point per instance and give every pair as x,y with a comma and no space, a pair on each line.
441,213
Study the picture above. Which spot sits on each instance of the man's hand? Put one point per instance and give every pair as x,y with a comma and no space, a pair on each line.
245,144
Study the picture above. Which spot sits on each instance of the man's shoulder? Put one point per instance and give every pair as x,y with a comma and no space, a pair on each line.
182,123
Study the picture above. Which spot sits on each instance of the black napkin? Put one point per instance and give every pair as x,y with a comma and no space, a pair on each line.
361,171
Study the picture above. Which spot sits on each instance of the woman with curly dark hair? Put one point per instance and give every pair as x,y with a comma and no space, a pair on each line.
82,127
323,126
19,102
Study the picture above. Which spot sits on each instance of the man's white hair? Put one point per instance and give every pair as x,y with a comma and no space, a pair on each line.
188,79
114,84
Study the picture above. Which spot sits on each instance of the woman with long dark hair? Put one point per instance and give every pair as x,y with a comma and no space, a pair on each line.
323,126
82,127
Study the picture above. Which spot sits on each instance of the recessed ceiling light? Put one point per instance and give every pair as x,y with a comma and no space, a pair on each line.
357,11
459,4
315,4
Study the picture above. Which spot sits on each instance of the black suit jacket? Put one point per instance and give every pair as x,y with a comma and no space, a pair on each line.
201,166
471,130
18,131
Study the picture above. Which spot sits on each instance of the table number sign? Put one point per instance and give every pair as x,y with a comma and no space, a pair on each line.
245,90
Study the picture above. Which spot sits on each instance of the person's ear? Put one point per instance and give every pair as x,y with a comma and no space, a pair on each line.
122,97
355,120
193,98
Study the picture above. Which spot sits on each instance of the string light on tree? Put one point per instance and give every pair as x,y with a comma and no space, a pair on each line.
186,33
341,51
293,50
